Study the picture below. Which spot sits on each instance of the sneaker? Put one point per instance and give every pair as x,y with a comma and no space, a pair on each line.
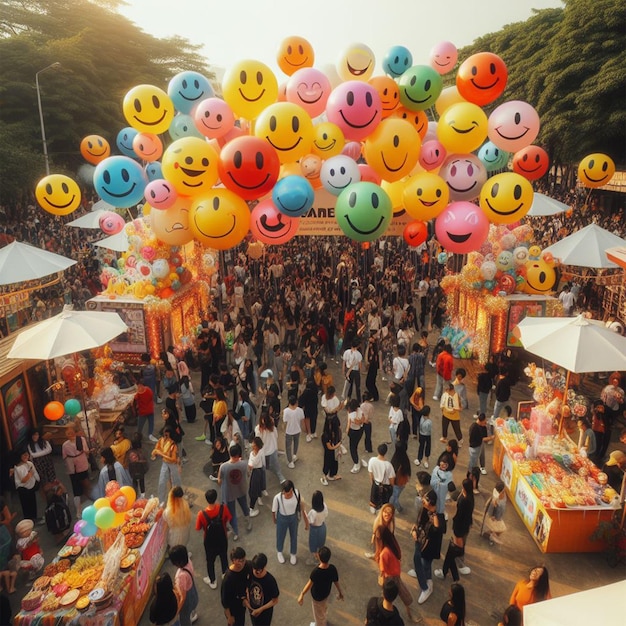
264,493
356,468
152,438
200,438
364,463
309,438
280,557
249,523
460,443
429,582
295,458
417,462
293,559
443,440
254,512
208,442
259,501
483,471
412,573
159,401
372,510
291,465
439,573
194,617
213,478
211,583
235,537
435,398
324,481
465,570
426,464
369,555
476,492
424,596
314,435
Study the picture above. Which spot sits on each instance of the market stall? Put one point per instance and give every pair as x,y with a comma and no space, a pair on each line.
104,580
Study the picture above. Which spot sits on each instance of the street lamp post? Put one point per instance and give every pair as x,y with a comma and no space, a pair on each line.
43,130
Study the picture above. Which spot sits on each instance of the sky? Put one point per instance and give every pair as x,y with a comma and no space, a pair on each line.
237,30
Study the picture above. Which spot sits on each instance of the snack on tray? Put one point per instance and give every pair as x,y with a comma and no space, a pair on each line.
70,597
50,603
62,565
32,600
83,603
128,561
41,583
134,540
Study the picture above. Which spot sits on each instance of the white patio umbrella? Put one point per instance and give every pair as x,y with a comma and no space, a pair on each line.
586,247
545,205
117,242
21,261
89,220
67,333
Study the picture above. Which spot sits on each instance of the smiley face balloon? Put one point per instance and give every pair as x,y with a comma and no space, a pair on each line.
328,140
219,219
397,60
418,119
388,91
270,226
492,157
111,223
94,148
294,54
513,125
147,146
415,233
356,108
443,57
506,198
187,89
420,87
356,63
214,118
293,195
432,155
339,172
532,162
464,175
596,170
148,109
190,164
425,196
120,181
58,194
160,194
309,88
172,226
249,87
461,227
481,78
462,128
363,211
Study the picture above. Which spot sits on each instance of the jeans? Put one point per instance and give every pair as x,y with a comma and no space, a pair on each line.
244,427
393,428
367,429
190,603
355,437
497,407
456,426
289,441
395,497
354,381
243,503
483,401
317,537
418,566
424,449
272,464
474,453
286,523
170,472
141,420
439,387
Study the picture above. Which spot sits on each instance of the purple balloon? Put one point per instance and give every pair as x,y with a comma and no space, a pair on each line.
78,527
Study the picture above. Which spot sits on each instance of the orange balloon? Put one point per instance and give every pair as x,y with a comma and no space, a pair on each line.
130,493
54,411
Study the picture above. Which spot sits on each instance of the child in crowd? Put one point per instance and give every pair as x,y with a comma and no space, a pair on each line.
184,584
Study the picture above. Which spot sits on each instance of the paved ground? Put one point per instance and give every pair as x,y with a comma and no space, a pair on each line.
495,570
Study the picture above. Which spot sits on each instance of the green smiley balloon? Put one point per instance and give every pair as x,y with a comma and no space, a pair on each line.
420,86
363,211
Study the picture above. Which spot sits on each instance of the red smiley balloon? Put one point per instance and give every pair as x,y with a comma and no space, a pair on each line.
270,226
532,162
415,233
482,78
248,166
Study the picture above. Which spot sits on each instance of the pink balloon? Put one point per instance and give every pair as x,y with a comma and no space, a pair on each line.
213,118
111,223
513,125
465,176
160,194
352,149
310,89
443,57
356,108
270,226
461,227
432,155
369,174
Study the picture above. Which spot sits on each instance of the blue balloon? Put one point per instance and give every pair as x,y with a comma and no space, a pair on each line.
492,157
120,181
124,141
293,195
154,171
397,60
187,89
89,530
183,126
89,514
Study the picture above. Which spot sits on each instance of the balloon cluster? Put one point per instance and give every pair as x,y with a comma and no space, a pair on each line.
460,340
55,410
107,512
368,140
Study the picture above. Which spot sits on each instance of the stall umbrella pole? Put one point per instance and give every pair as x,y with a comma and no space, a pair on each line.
560,432
82,396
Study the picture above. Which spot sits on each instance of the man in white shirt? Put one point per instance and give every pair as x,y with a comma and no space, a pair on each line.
293,416
382,478
351,368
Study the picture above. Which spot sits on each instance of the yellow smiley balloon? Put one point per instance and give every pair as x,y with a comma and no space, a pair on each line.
288,128
328,140
462,128
249,87
426,195
190,164
58,194
596,170
219,219
506,198
393,149
172,225
148,109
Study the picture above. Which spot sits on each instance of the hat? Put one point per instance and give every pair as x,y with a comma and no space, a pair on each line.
267,374
24,527
616,457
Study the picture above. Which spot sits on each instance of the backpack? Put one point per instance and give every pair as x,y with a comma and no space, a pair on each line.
214,534
58,515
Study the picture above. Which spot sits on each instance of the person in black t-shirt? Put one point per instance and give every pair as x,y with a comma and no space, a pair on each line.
235,588
262,592
320,583
381,611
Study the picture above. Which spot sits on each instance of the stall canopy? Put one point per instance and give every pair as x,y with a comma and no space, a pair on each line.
545,205
117,242
602,606
20,262
586,247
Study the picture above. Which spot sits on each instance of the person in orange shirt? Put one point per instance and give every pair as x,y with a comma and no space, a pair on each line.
533,589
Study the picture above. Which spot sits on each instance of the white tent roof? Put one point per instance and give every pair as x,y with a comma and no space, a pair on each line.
602,606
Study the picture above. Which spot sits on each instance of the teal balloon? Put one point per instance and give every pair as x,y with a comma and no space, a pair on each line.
89,514
363,211
105,518
492,157
72,407
89,530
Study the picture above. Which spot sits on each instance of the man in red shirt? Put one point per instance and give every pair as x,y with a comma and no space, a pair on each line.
444,367
215,535
144,402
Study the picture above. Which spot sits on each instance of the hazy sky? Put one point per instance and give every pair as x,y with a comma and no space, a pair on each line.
234,30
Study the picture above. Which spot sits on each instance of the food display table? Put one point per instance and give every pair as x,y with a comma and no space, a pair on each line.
130,590
557,492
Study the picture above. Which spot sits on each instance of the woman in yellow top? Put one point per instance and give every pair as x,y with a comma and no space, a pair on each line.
167,449
220,409
450,414
120,446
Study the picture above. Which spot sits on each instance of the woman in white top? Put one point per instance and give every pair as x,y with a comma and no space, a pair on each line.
395,417
230,430
354,430
286,510
293,416
317,523
268,433
41,455
256,472
26,478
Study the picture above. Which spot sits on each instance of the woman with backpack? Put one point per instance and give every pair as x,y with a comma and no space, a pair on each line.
111,470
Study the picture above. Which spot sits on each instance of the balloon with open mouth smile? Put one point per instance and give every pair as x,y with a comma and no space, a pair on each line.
461,227
219,219
270,226
363,211
356,63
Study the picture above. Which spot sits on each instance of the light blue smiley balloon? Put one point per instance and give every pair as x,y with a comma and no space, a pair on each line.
397,60
187,89
492,157
183,126
120,181
293,195
124,141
